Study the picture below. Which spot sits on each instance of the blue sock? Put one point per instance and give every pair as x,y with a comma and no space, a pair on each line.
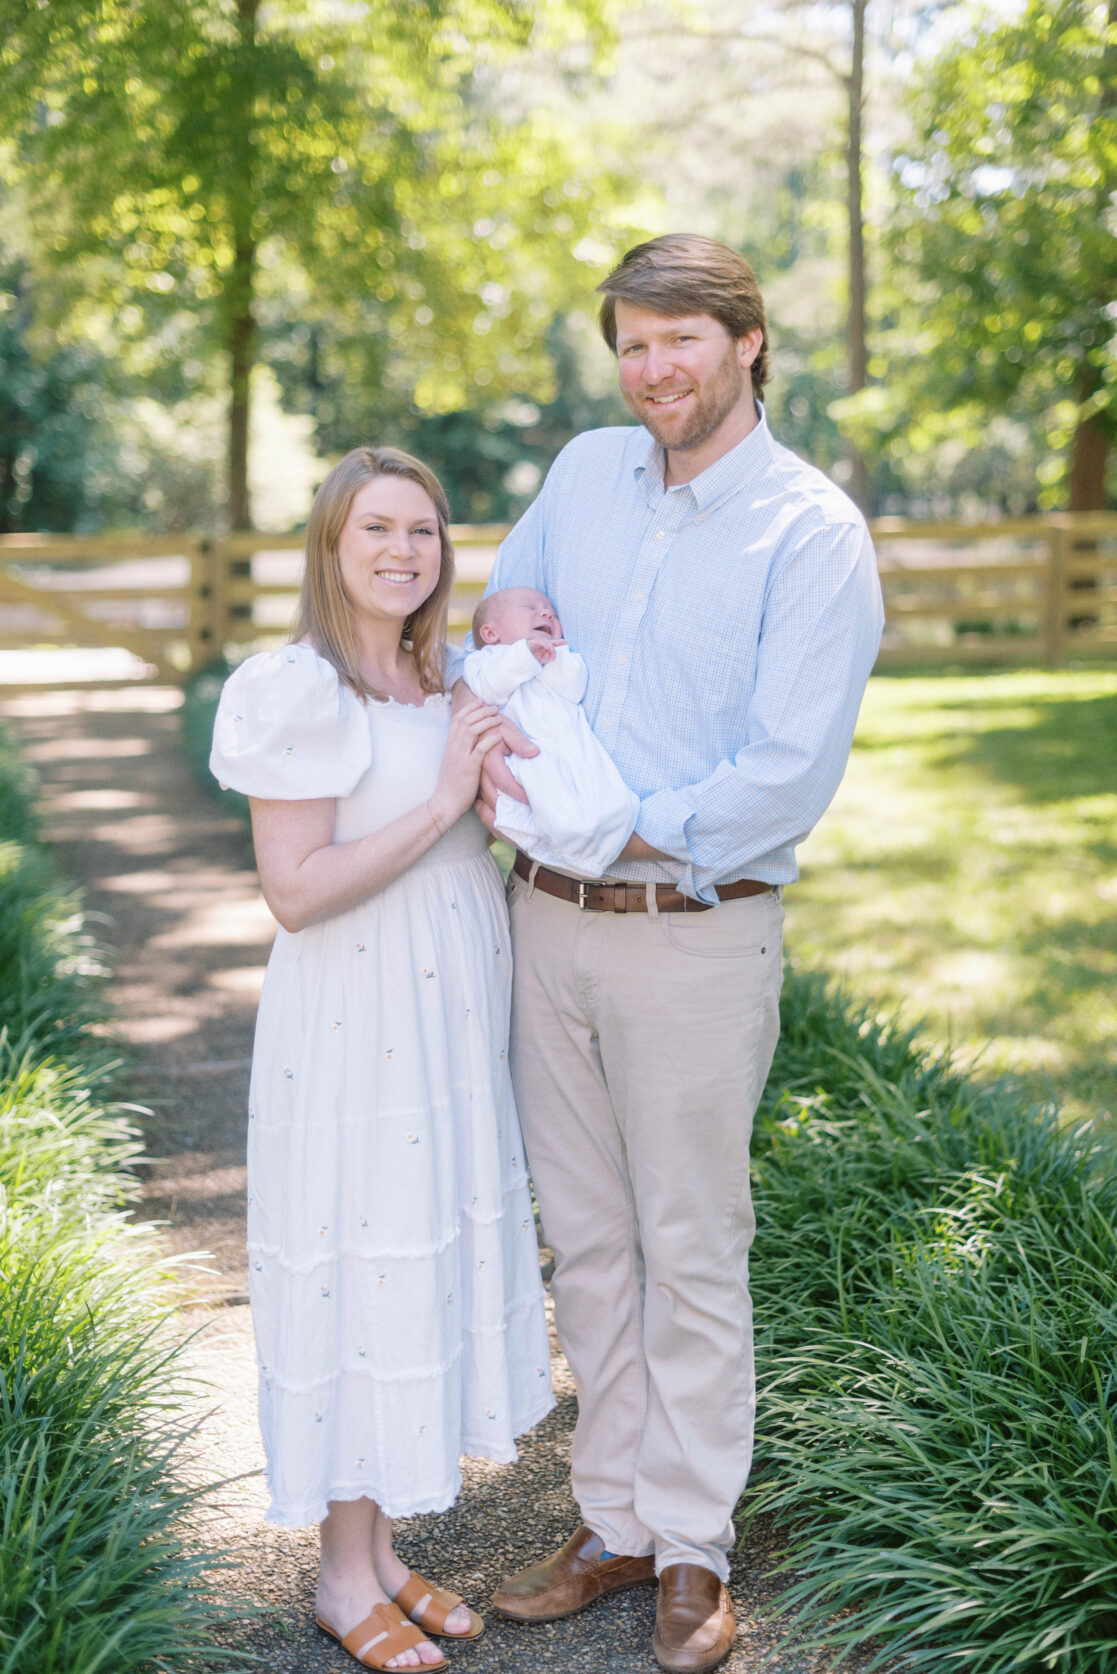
605,1555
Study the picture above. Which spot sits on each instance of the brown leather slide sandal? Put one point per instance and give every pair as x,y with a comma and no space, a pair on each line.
383,1634
429,1607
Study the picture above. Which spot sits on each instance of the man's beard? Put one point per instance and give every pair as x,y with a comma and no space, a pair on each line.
711,408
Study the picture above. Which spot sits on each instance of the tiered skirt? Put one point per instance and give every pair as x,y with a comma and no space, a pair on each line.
393,1264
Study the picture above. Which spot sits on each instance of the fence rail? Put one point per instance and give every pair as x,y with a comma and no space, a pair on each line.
1023,590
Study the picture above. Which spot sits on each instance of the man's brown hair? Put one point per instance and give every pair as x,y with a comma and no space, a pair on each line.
683,273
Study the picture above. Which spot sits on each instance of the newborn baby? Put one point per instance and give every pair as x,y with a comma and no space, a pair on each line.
580,813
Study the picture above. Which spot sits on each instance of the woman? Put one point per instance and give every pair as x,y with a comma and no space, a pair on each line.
393,1268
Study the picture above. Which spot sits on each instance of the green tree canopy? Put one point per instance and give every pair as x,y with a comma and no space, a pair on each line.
1005,247
198,169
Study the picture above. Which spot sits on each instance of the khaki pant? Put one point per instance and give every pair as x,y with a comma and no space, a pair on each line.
640,1047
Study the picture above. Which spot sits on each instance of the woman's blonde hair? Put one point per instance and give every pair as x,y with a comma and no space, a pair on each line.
325,616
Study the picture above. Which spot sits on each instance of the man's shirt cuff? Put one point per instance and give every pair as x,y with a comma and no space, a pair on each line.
662,823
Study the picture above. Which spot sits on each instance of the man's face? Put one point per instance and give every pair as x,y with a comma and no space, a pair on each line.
684,378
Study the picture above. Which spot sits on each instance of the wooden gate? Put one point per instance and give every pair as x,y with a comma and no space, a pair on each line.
1028,590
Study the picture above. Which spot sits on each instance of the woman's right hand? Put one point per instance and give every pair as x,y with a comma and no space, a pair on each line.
474,730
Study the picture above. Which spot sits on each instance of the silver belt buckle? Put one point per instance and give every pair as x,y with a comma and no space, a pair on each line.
581,895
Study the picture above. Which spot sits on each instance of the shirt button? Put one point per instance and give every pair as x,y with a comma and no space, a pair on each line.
699,517
622,659
639,598
661,534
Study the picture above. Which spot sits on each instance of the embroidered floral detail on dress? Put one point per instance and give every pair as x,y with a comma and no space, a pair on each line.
289,1073
496,950
426,973
389,1052
317,1418
382,1280
334,1027
360,947
422,1430
290,750
364,1220
361,1350
413,1139
322,1230
325,1289
489,1413
360,1464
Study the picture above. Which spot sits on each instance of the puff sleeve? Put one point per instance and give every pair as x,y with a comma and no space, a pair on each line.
288,729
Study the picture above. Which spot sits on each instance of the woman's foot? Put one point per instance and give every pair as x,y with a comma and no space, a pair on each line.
341,1609
393,1575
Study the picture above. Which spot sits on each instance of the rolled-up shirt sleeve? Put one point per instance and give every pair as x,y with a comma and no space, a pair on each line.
818,643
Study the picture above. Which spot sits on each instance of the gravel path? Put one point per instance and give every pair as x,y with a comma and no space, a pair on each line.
170,882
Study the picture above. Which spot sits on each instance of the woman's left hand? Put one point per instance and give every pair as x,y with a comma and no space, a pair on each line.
474,730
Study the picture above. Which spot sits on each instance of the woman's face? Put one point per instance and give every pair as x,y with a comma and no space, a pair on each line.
389,550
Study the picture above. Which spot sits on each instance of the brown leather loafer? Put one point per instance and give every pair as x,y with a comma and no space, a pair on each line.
694,1620
568,1580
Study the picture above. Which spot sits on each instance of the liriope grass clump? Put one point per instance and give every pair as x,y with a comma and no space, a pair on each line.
936,1292
95,1573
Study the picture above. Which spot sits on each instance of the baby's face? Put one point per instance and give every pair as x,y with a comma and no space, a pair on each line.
521,613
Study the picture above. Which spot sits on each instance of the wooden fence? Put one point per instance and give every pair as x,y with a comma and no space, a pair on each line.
1030,590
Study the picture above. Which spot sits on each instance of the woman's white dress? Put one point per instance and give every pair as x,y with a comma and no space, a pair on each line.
394,1272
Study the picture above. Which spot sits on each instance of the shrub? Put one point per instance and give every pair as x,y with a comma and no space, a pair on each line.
936,1295
95,1576
196,718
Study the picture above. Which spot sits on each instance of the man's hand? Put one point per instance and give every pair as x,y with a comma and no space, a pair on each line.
495,776
636,848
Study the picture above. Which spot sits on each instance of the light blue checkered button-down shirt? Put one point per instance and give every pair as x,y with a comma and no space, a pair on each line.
729,626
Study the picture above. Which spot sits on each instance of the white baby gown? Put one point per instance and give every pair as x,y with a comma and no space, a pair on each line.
393,1265
581,813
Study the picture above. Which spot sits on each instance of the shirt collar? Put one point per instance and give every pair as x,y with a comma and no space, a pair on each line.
735,470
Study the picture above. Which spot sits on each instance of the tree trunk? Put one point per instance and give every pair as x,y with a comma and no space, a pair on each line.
242,342
241,333
858,352
1089,453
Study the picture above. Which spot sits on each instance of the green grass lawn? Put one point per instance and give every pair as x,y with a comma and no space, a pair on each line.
967,872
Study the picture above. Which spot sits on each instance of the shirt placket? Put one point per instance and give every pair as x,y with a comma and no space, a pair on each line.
669,513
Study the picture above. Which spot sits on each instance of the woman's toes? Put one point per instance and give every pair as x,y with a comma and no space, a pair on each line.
458,1620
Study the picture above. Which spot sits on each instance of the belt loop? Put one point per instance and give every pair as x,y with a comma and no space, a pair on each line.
653,902
531,879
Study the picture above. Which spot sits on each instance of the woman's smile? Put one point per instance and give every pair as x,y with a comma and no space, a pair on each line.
390,544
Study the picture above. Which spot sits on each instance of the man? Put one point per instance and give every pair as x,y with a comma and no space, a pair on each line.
725,597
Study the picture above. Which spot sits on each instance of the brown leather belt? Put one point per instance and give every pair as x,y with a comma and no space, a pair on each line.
628,897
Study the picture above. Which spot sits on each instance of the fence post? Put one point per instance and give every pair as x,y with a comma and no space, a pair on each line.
1056,634
200,623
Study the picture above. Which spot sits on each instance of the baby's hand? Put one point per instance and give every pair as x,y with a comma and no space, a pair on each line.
543,650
